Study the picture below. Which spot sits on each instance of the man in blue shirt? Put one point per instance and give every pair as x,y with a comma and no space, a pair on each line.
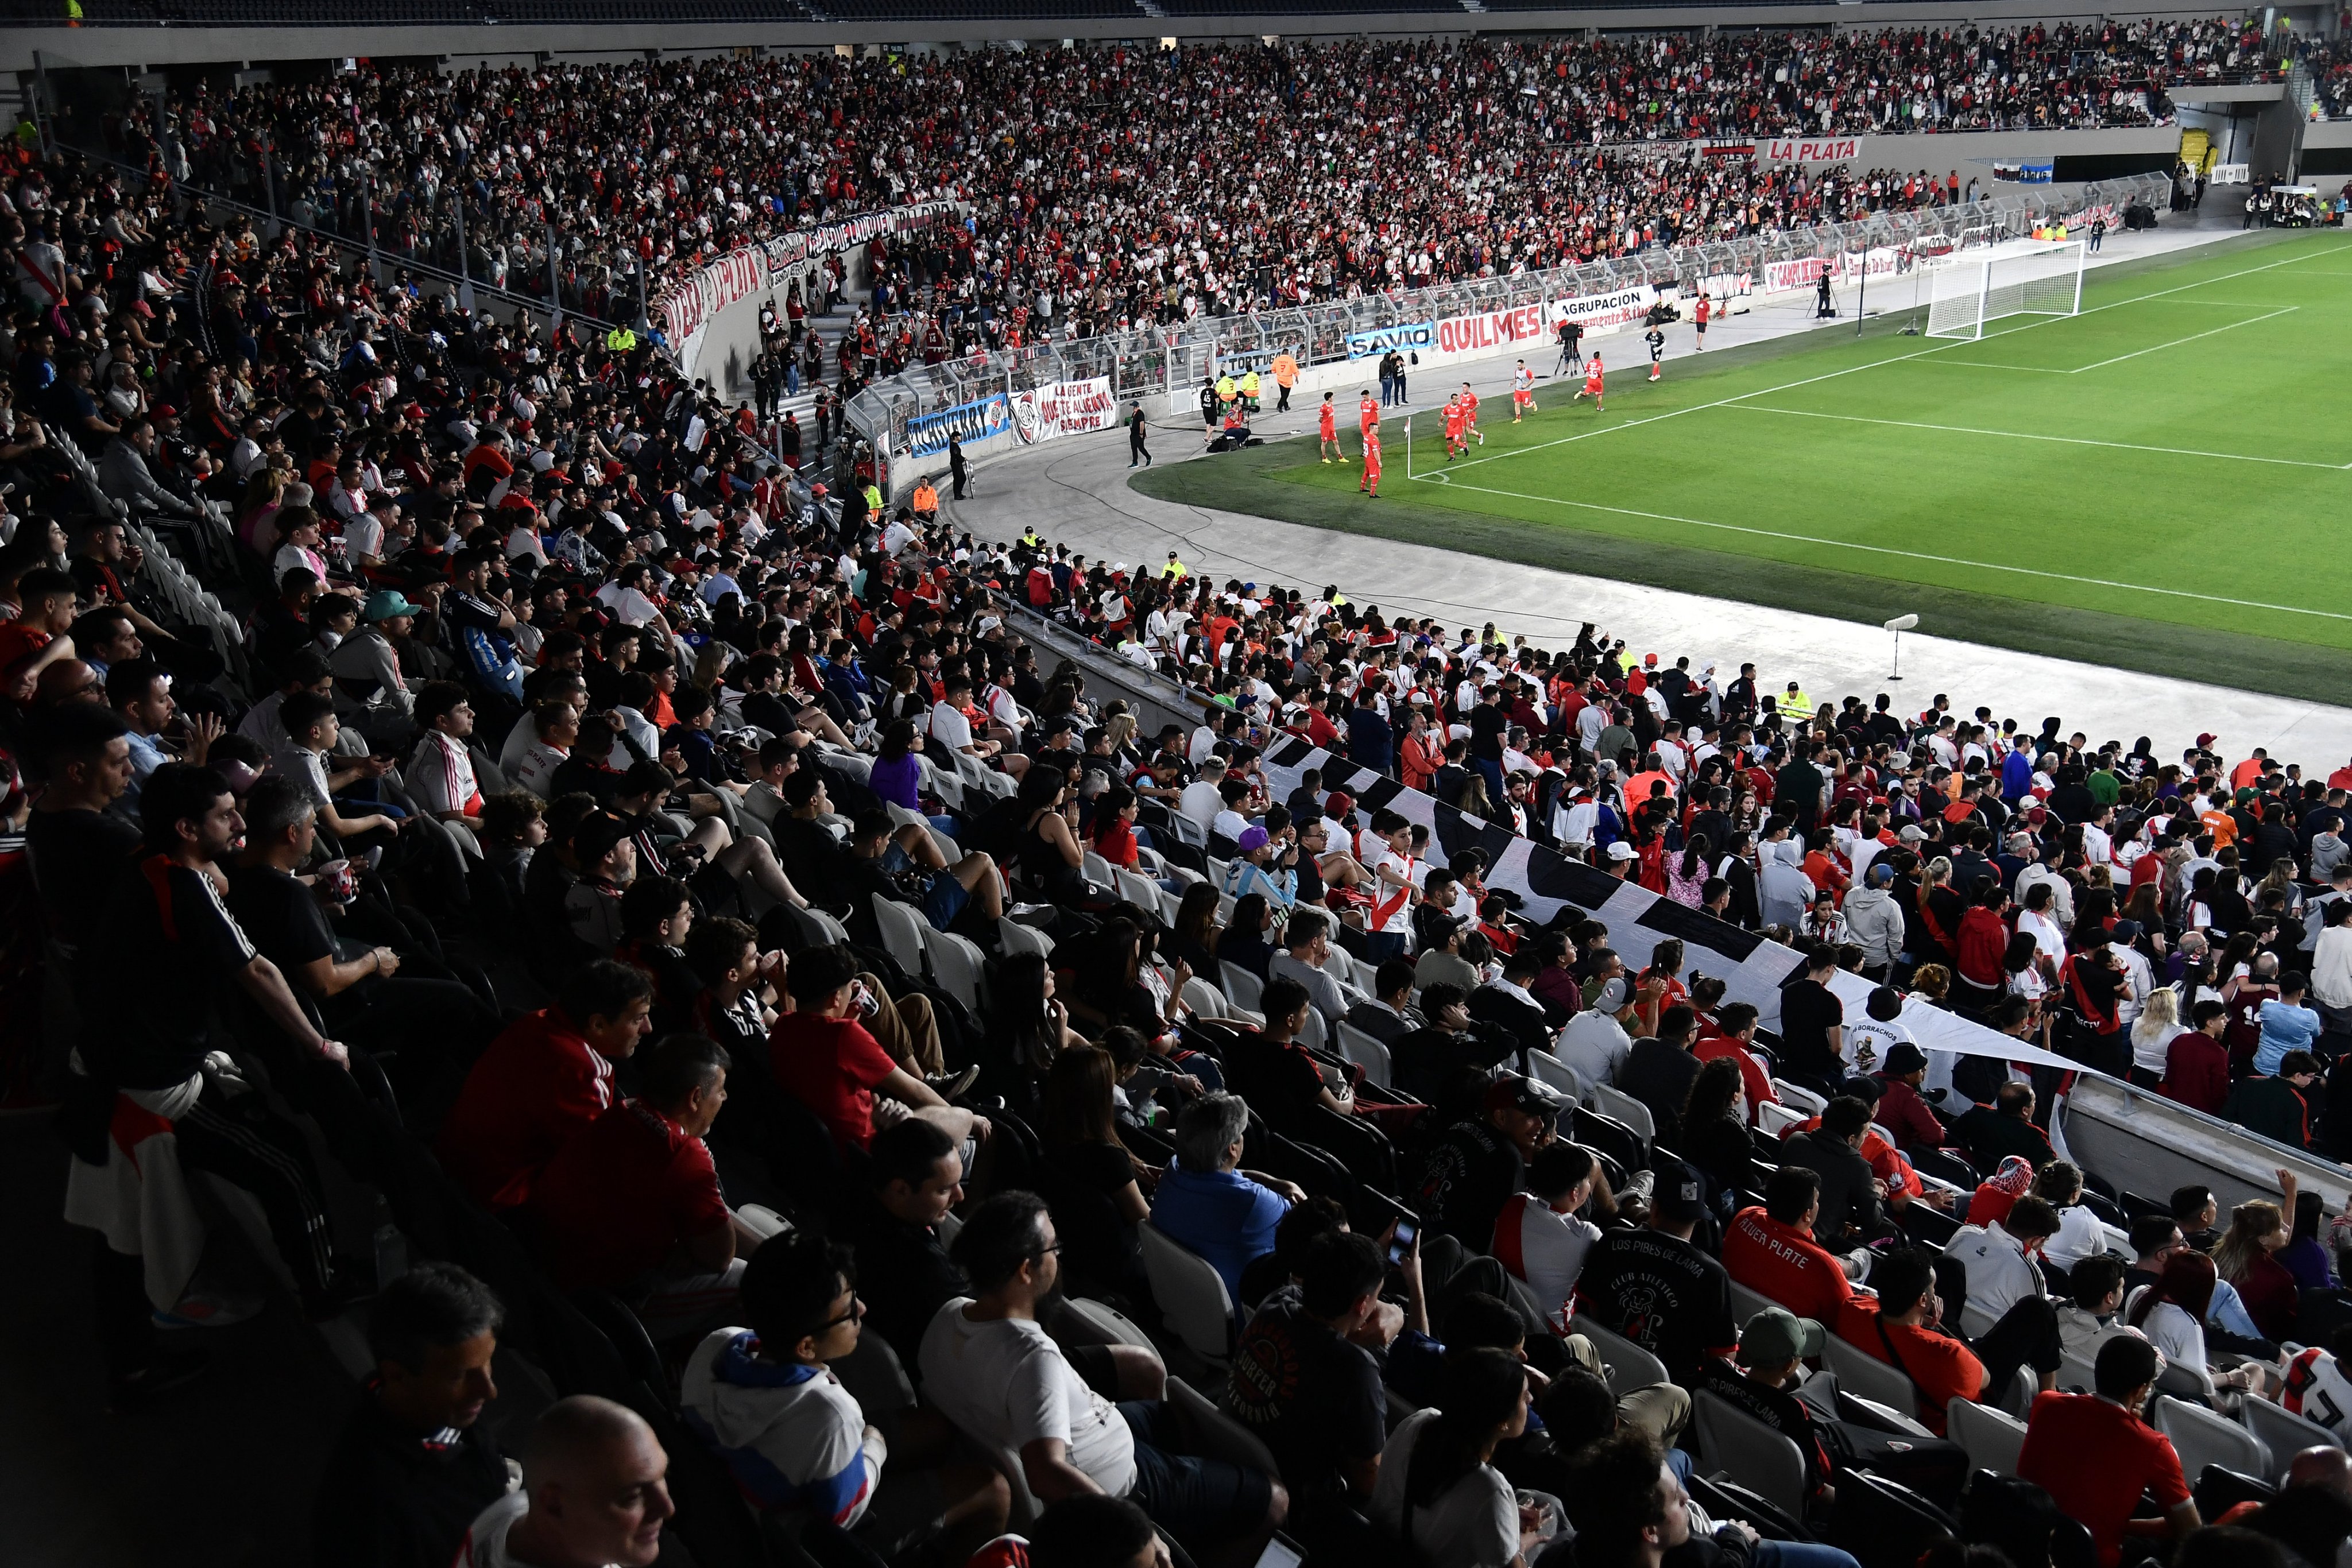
1209,1206
2287,1025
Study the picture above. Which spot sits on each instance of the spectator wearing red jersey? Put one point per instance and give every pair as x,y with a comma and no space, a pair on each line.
632,1204
1982,941
1902,1110
1772,1250
1730,1032
2196,1064
543,1081
823,1055
2133,1460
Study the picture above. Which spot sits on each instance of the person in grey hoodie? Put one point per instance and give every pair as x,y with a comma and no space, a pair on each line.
2329,850
1874,921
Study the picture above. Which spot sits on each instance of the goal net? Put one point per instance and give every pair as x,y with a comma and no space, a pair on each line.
2019,277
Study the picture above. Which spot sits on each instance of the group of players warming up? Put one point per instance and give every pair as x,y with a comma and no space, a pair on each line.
1461,411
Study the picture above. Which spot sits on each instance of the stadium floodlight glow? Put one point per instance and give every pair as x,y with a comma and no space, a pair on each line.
2017,278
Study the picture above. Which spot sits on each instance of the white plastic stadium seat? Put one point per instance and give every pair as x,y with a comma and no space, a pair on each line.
1552,1072
1629,1366
1011,937
1241,987
1192,1296
1366,1051
1753,1455
1992,1438
1860,1373
2201,1437
902,934
1611,1100
957,964
2284,1433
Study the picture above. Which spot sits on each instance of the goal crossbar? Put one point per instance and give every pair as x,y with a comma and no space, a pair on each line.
2017,277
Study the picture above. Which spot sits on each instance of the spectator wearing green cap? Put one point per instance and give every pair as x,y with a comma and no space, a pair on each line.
369,691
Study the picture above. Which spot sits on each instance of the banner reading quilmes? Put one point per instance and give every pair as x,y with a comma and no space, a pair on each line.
926,435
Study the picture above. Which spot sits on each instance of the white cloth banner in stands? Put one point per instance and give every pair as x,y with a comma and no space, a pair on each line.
1602,312
687,303
1064,408
1547,882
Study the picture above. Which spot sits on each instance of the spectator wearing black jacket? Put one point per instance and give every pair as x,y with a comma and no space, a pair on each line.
1850,1213
1659,1070
1426,1062
1989,1134
915,1175
1509,1006
413,1467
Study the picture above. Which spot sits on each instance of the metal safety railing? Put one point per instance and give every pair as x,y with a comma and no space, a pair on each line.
1170,360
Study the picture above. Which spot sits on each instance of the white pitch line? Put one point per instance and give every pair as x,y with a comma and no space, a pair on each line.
2136,353
1990,365
2063,440
1874,364
1909,554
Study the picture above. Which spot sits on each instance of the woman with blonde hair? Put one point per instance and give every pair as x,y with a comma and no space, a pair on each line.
2257,1229
2152,1034
1119,727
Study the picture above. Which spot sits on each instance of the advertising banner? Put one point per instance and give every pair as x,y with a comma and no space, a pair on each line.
1825,150
1380,340
1493,331
927,434
1614,309
1779,276
1064,408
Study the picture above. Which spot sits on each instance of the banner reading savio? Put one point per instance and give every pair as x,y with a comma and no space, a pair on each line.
1380,340
927,434
1064,408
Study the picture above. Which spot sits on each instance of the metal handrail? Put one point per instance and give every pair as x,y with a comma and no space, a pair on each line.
1141,362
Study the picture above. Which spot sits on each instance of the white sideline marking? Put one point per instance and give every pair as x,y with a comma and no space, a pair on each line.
2136,353
2063,440
1912,554
1898,358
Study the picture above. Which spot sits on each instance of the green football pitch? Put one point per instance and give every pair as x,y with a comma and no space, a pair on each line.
2160,482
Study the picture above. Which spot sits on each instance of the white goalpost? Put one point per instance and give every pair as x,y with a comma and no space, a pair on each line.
1977,286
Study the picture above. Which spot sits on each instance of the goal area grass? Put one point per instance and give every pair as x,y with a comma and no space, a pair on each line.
2160,483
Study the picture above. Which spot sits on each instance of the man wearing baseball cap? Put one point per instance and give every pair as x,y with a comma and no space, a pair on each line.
1658,1288
1595,1043
1757,1381
1480,1163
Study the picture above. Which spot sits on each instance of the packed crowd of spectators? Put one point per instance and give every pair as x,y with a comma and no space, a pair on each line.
679,892
2330,64
1341,169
